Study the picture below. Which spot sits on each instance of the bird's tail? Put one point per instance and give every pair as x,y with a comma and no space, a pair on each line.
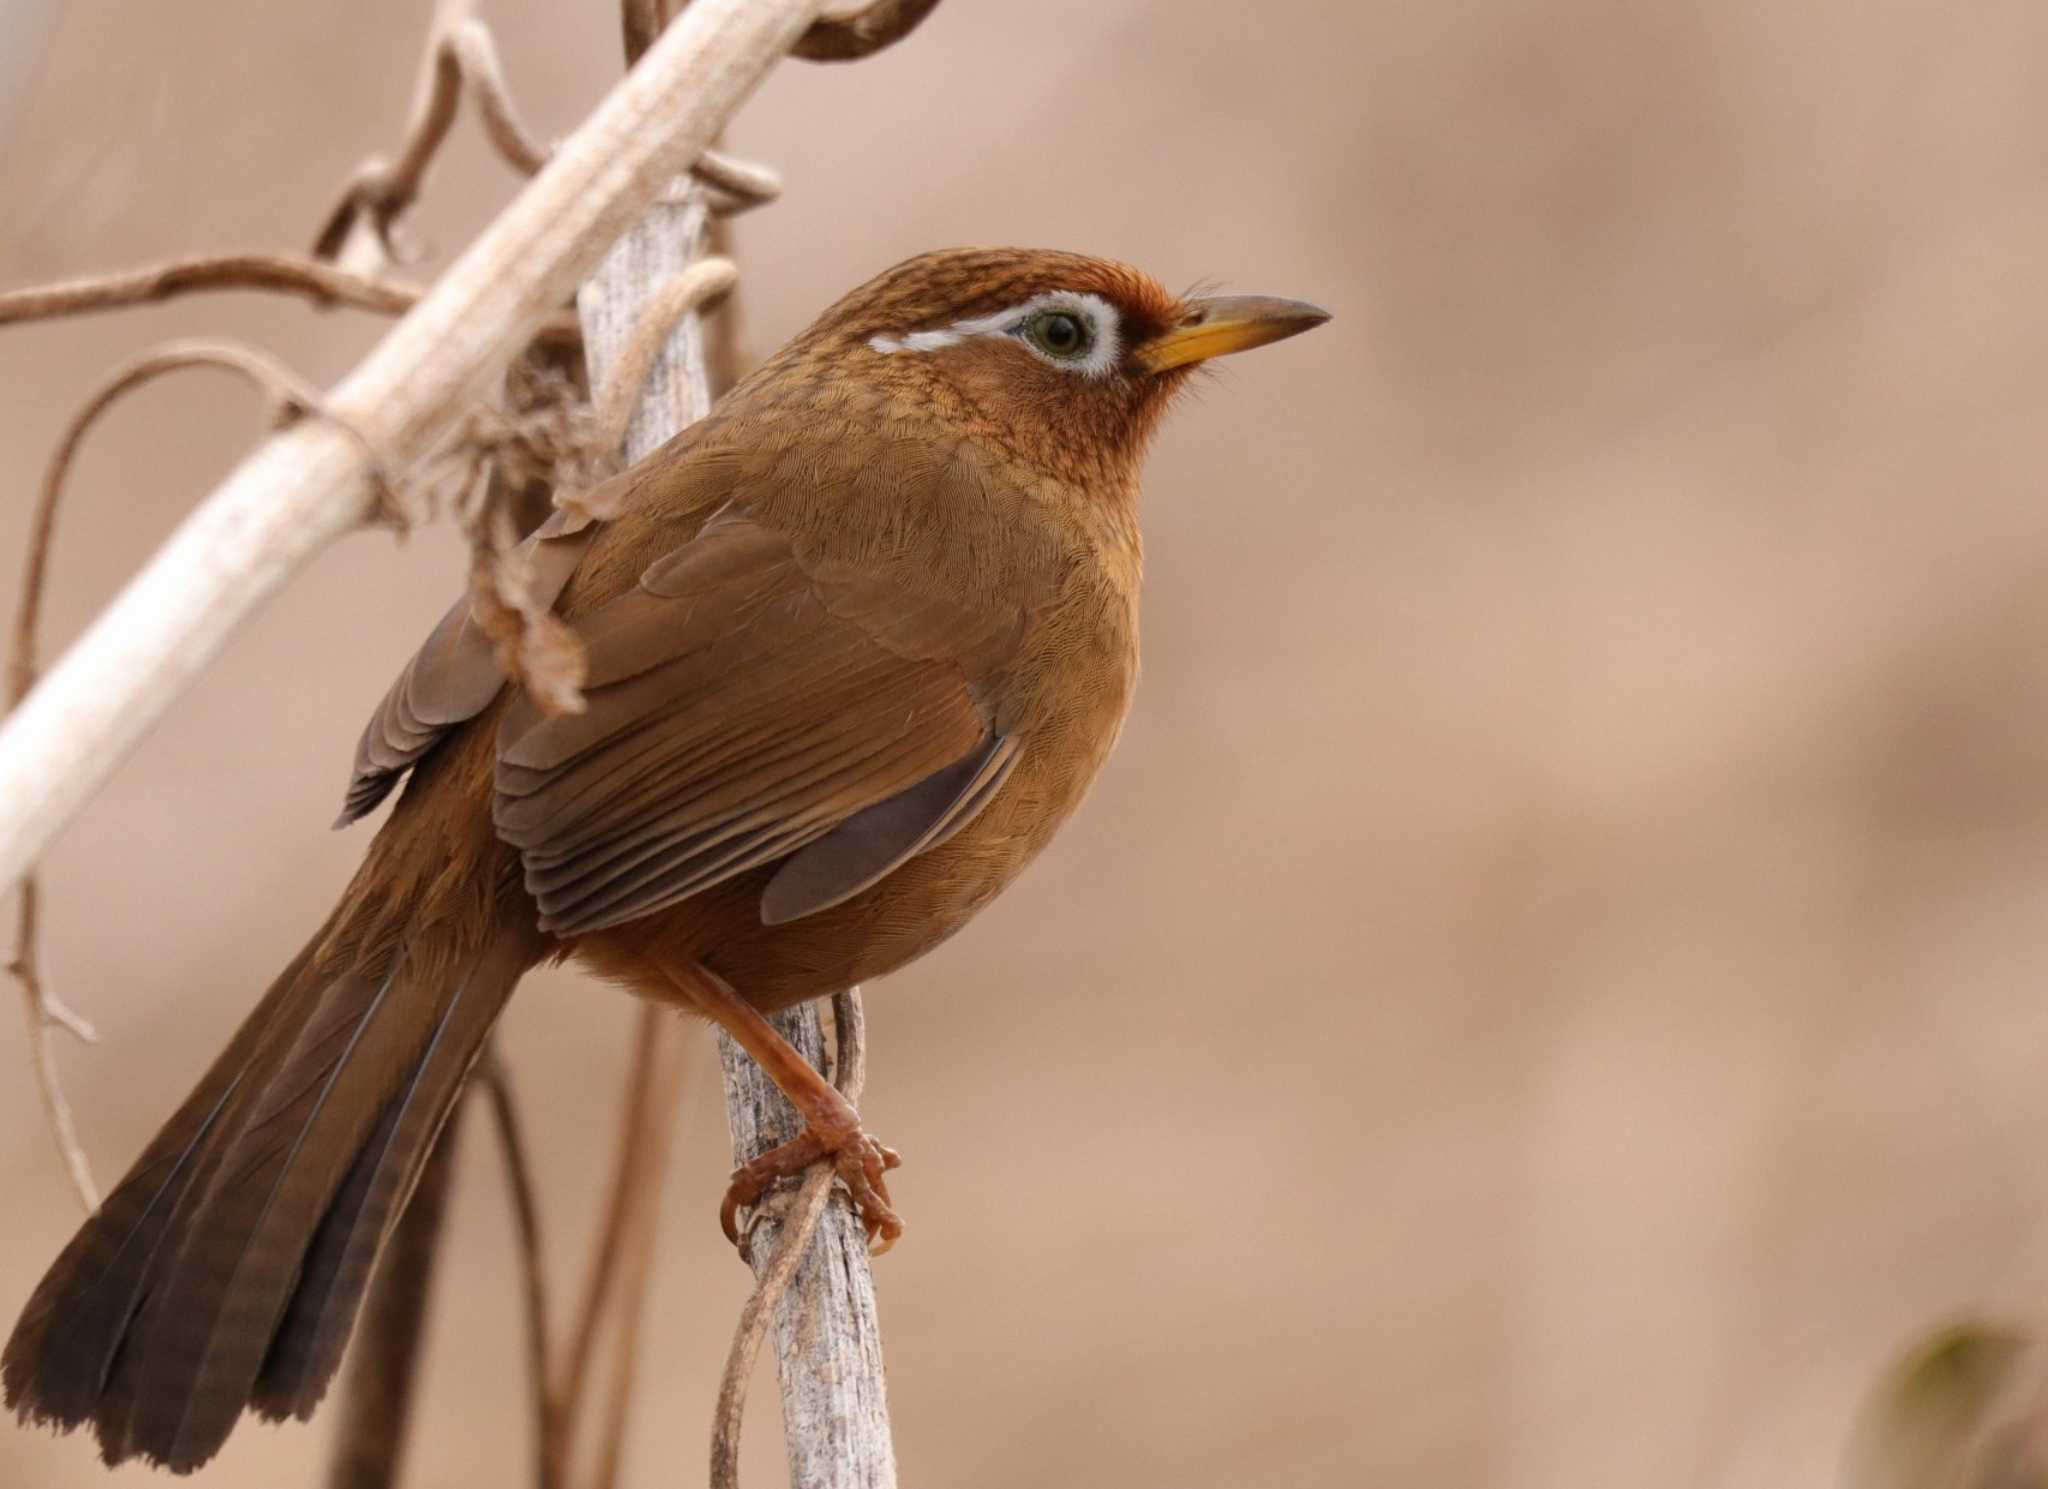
226,1269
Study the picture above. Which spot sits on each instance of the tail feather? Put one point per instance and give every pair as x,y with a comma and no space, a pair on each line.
307,1347
227,1268
57,1374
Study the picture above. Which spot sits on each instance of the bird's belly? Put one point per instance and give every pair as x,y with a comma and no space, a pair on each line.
886,926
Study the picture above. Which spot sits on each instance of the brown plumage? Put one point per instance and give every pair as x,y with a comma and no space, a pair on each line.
858,642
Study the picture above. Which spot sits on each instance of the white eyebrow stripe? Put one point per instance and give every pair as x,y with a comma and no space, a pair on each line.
1098,312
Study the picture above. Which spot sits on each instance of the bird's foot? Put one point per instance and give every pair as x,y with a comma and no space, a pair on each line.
860,1162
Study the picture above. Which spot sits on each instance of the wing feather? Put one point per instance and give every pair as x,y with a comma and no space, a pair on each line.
743,705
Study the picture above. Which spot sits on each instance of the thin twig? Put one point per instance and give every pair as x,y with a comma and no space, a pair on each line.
383,1359
324,285
459,51
44,1017
805,1209
284,394
497,1086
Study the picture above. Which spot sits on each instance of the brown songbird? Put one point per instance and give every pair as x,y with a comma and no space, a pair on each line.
857,643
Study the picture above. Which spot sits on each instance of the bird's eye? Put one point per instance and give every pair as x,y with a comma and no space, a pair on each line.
1059,333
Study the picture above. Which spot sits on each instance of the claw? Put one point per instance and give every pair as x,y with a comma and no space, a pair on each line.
860,1163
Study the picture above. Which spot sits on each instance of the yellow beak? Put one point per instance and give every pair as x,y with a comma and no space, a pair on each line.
1225,324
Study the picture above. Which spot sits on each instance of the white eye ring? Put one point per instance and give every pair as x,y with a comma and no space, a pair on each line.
1105,346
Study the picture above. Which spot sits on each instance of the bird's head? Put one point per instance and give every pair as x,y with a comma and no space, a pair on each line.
1067,361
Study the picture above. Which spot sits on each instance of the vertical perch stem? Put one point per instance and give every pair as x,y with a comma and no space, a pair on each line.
828,1338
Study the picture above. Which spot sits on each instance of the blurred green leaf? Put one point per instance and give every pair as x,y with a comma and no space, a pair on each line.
1963,1410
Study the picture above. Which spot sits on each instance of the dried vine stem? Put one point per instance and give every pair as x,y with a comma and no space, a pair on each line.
46,1015
460,52
462,55
696,288
323,284
285,396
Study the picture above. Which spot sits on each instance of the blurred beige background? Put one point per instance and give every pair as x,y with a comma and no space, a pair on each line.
1549,991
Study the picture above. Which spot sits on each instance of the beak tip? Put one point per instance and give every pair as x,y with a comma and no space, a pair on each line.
1219,326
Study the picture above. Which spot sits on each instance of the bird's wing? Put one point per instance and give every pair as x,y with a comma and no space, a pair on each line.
747,702
455,674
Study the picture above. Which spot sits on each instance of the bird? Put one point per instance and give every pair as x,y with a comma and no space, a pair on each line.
855,645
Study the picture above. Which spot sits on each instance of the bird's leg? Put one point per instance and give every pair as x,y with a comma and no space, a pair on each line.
831,1125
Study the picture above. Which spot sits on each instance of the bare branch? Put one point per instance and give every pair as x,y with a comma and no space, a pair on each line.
44,1018
847,36
459,51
